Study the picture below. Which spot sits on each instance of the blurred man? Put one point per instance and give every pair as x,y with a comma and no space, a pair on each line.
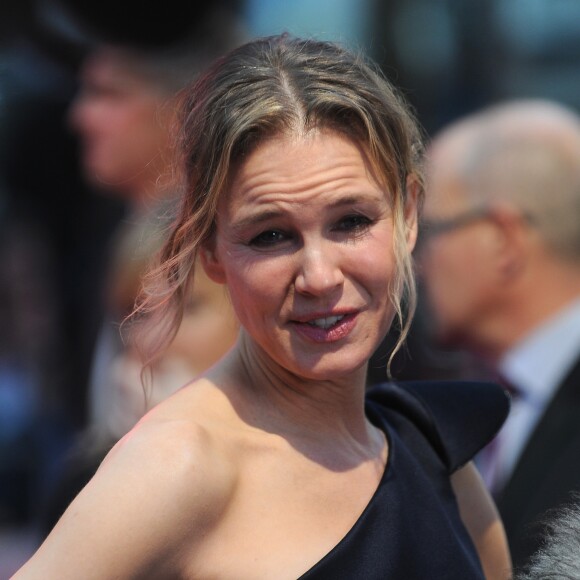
123,115
501,262
122,118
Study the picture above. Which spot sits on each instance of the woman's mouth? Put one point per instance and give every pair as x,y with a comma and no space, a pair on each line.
324,329
326,322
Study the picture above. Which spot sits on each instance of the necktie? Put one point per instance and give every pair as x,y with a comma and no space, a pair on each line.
489,460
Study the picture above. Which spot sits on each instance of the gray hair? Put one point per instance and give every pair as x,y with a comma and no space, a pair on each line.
528,153
559,556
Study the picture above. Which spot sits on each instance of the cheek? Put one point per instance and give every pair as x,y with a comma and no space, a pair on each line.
376,265
378,280
454,283
256,290
125,124
115,118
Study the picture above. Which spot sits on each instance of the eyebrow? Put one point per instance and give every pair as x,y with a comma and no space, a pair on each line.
256,219
260,217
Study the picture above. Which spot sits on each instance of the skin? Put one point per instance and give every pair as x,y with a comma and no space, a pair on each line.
271,227
208,330
259,468
208,327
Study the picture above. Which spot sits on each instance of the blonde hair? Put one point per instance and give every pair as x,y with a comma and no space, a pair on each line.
272,86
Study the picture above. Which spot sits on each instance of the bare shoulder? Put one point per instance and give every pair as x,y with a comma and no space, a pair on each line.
171,455
154,498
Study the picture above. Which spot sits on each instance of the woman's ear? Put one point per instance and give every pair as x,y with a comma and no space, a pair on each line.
211,262
412,202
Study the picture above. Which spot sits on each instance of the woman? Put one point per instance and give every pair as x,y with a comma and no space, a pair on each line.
304,188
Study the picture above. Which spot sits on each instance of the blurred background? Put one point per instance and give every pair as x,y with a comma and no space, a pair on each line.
449,57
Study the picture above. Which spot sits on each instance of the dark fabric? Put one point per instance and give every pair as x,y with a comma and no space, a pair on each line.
547,473
411,528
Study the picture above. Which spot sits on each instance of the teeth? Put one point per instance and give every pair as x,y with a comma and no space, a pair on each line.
326,322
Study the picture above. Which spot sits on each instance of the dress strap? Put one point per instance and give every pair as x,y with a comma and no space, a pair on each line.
458,417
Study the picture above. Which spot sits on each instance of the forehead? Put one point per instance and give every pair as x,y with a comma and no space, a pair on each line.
446,189
109,69
318,162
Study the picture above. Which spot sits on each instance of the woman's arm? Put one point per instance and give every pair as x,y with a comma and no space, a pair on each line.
147,502
482,521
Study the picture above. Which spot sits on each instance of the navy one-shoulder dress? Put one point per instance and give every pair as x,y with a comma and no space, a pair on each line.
411,528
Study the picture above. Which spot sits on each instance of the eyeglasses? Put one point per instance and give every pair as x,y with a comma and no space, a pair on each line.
436,227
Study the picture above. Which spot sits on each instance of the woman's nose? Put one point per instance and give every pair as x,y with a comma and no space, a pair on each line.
319,272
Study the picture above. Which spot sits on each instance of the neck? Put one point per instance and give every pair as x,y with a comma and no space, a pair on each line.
273,398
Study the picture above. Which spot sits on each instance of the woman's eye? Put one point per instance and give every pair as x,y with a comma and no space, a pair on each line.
268,238
353,223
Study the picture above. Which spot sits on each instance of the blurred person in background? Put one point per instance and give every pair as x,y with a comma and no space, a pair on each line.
501,262
49,266
123,115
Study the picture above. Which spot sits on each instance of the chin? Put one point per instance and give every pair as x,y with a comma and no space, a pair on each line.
332,367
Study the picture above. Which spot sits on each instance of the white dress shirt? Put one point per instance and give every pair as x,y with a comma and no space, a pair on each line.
536,367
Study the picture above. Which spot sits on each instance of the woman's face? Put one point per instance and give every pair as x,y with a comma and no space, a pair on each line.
304,241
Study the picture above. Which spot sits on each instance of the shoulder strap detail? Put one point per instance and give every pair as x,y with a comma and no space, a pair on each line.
458,417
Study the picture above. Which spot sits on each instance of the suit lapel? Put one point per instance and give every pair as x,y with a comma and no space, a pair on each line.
543,476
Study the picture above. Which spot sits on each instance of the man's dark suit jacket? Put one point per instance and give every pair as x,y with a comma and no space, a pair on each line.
547,473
